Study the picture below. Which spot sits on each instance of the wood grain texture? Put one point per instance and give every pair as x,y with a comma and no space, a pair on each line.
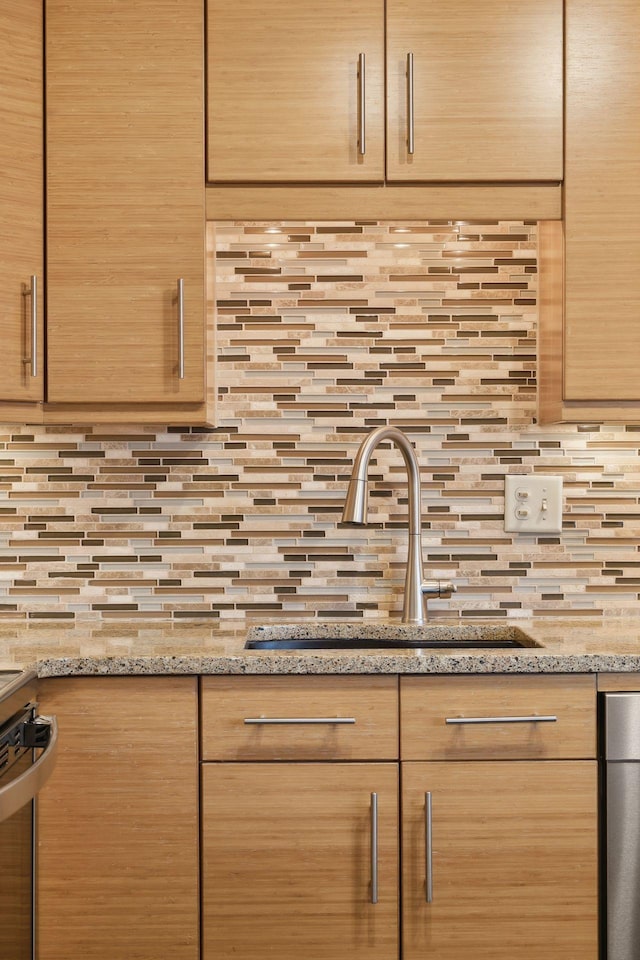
283,90
125,202
611,682
371,701
488,90
118,821
388,202
286,861
15,880
602,333
588,411
425,703
167,414
550,320
21,195
514,861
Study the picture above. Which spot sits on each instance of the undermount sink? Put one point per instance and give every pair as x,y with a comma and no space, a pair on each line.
363,636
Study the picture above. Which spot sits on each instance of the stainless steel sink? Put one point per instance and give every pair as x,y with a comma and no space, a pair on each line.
375,636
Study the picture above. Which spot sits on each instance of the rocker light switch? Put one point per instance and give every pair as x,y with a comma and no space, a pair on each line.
532,504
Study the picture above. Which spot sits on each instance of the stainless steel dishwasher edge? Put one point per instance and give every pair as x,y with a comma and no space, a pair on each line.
621,754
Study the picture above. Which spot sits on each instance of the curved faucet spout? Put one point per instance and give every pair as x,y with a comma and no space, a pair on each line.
355,511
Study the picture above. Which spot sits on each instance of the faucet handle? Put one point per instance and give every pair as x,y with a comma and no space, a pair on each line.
438,588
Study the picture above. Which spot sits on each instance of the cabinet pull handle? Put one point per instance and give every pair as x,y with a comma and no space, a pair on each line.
266,720
180,329
428,847
534,719
374,848
410,106
362,141
34,326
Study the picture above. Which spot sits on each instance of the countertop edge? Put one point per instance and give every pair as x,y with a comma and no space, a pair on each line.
369,664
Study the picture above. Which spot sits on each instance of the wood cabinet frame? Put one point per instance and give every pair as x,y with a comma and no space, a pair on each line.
525,840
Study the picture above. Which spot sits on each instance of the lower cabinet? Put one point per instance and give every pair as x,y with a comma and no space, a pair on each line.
498,841
341,818
511,852
300,860
117,857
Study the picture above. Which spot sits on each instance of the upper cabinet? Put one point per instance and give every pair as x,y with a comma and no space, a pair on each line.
125,202
21,201
473,91
296,90
125,212
602,334
588,356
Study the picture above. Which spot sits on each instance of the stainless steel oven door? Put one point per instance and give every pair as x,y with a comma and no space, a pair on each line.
16,878
20,789
20,781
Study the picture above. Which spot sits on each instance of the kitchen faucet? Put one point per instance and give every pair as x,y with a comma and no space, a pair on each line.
416,589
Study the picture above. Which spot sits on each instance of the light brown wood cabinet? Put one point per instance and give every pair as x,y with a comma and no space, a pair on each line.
487,90
309,803
370,702
125,331
287,846
514,860
287,861
512,836
428,702
285,97
21,201
589,351
290,99
602,242
125,201
118,821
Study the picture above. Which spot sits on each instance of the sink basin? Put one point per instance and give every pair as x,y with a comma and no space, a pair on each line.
377,636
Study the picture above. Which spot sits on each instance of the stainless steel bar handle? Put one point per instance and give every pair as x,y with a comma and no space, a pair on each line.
374,848
534,719
410,106
24,788
180,328
267,720
428,847
362,131
34,326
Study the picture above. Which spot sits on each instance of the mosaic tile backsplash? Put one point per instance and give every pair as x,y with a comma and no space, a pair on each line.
325,331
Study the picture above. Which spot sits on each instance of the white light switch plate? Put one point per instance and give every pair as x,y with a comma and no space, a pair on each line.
532,504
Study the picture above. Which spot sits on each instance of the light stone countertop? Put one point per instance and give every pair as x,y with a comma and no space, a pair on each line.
154,646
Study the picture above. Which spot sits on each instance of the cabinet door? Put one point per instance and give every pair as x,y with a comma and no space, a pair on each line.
21,199
602,201
487,90
125,200
287,861
286,100
514,860
118,821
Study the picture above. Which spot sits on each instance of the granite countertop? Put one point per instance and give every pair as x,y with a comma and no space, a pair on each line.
153,646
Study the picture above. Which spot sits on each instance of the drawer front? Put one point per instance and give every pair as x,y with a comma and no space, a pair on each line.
299,718
484,718
613,682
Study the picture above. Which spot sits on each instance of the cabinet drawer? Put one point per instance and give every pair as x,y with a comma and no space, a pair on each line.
493,711
299,718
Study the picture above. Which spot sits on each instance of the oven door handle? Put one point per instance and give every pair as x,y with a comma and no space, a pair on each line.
24,788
